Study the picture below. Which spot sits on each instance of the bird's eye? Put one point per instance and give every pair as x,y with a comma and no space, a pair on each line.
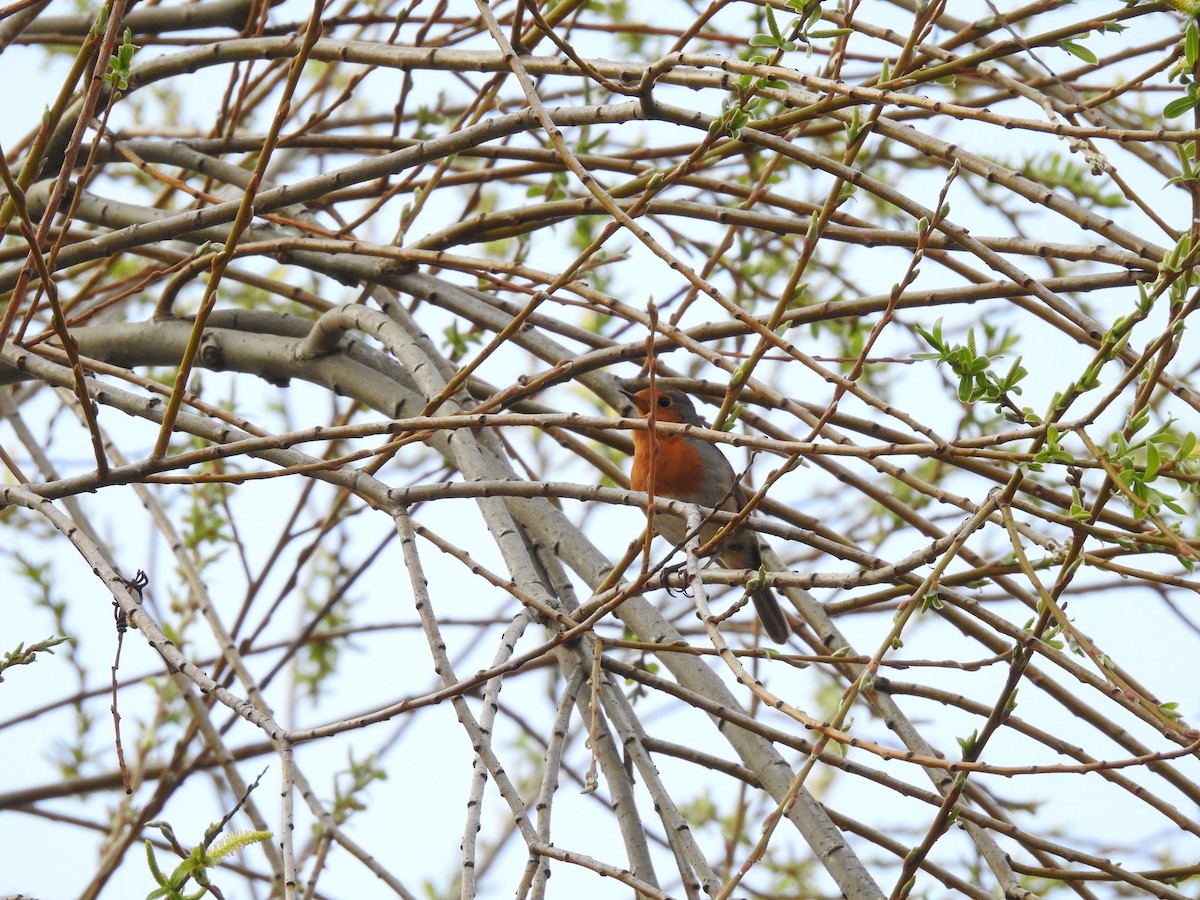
664,402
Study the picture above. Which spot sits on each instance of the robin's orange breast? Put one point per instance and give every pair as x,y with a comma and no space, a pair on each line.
680,472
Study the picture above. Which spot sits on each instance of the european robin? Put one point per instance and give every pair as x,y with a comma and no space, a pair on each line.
695,471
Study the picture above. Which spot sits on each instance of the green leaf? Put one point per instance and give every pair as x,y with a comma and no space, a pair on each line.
933,338
1080,51
1153,462
967,744
1186,446
1178,107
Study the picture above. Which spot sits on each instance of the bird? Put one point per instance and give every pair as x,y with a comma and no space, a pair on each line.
695,471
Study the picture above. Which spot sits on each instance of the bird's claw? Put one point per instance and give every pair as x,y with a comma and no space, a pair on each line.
671,571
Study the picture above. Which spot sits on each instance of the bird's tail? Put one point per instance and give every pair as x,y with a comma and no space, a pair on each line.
771,615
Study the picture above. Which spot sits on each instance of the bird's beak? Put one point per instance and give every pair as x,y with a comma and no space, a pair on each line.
641,405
